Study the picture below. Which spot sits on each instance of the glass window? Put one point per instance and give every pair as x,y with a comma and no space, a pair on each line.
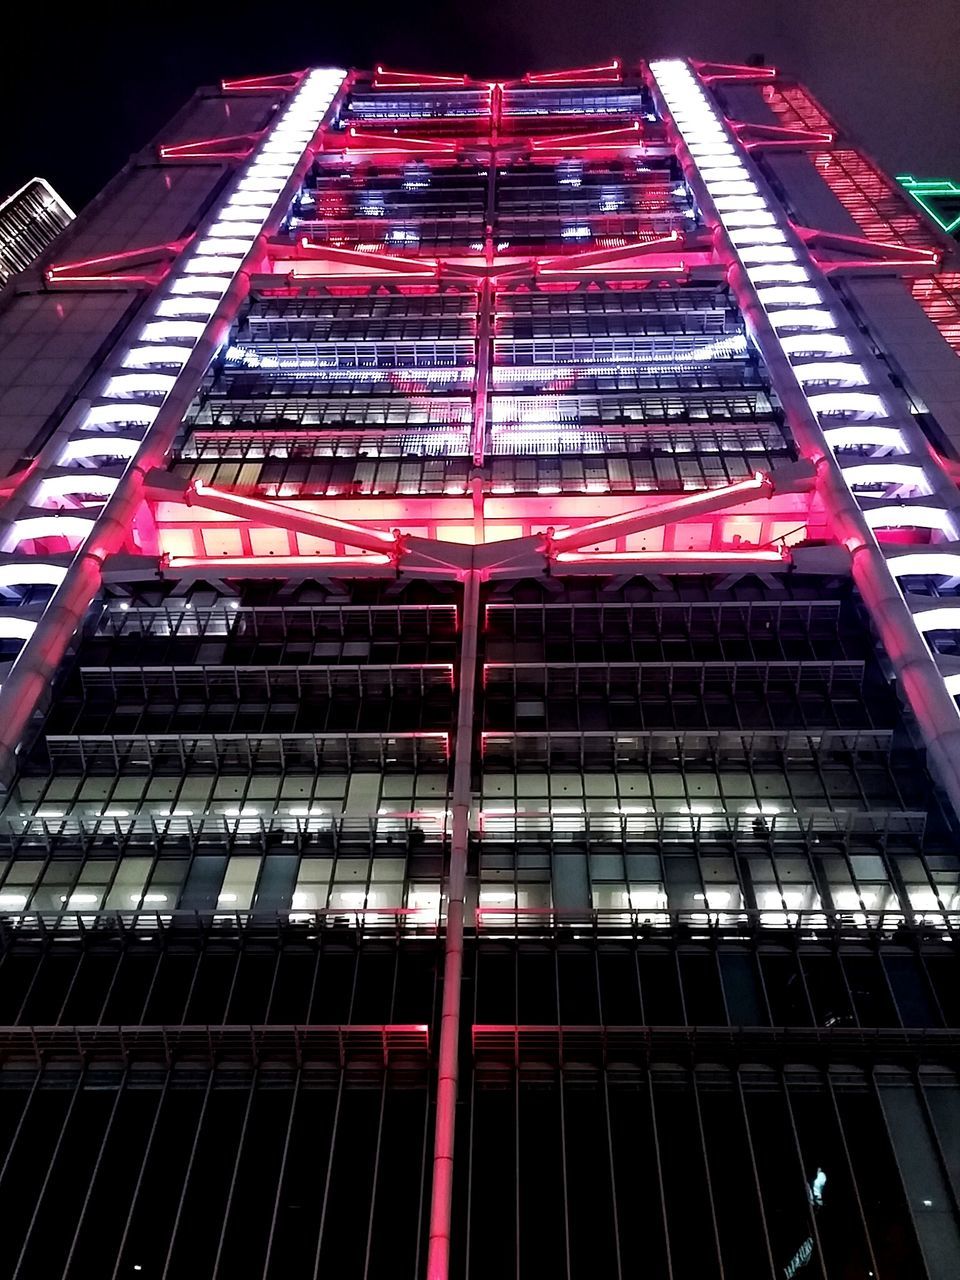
313,882
126,892
239,884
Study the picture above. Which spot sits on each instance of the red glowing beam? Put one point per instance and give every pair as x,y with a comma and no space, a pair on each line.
711,72
607,72
600,257
237,146
382,263
108,271
781,137
287,81
385,79
873,254
360,139
616,139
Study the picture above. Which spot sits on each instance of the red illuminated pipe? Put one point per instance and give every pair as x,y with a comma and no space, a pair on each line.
281,516
760,485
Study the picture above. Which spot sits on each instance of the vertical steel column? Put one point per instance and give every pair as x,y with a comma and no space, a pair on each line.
146,385
781,290
441,1203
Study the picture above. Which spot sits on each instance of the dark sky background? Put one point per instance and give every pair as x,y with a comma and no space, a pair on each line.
88,88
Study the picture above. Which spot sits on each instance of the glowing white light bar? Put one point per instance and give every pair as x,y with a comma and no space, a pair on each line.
120,415
76,482
208,264
841,371
135,384
857,403
900,473
793,318
170,330
815,344
724,157
201,284
777,273
100,445
186,307
145,356
737,204
762,218
789,295
872,436
937,564
910,517
228,230
52,526
761,254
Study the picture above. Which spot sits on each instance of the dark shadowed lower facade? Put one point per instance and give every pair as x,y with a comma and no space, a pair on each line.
480,643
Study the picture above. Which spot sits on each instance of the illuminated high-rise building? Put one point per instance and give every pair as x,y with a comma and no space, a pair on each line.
30,221
478,720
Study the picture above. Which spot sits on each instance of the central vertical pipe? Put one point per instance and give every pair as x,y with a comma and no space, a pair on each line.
441,1203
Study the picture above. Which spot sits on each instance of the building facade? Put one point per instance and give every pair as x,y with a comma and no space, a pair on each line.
478,724
30,221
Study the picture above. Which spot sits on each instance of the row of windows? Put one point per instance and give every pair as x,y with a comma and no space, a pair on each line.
325,982
418,475
211,1174
395,862
709,1173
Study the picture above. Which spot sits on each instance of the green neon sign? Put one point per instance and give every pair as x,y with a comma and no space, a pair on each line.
927,192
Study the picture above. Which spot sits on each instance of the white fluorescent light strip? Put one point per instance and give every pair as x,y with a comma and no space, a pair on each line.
51,526
144,357
32,573
815,344
857,403
750,222
865,437
181,310
919,517
14,628
937,564
78,481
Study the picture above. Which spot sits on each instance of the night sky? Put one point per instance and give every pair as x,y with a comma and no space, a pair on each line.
87,89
